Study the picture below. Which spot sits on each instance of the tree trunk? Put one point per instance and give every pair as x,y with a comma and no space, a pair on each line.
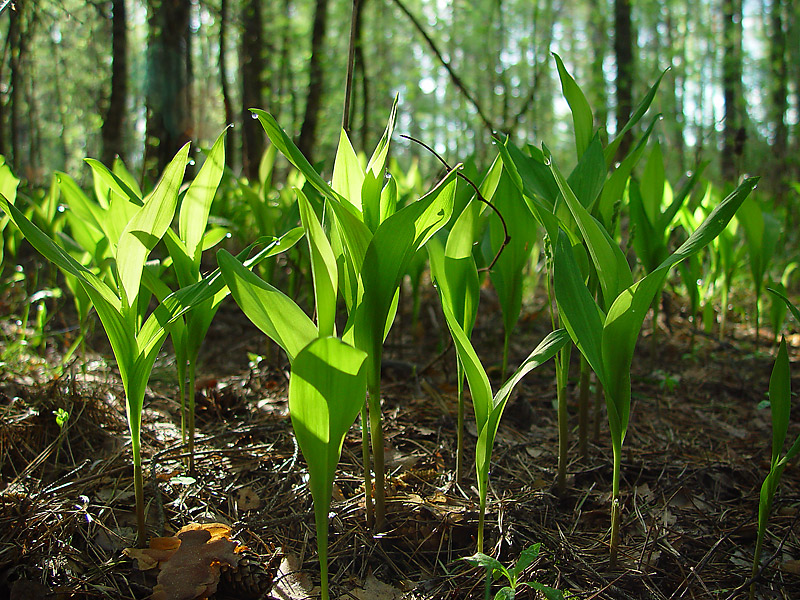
169,124
780,95
252,73
599,38
308,132
623,51
114,122
18,42
223,75
733,134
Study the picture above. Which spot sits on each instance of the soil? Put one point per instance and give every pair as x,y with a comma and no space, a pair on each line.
696,452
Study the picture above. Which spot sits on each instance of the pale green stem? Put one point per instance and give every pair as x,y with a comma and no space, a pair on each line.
598,409
615,507
758,298
190,414
138,488
182,394
583,409
481,520
654,338
460,422
506,341
365,458
562,377
723,318
376,435
321,517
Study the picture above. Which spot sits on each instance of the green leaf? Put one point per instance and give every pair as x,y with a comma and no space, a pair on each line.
526,558
326,391
348,174
148,226
324,271
609,261
582,118
641,109
578,311
272,311
113,181
196,203
479,559
780,400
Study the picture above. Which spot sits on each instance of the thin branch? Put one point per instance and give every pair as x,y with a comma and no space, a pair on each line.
446,64
506,238
351,57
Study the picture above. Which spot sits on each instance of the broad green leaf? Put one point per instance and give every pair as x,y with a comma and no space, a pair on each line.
577,309
491,564
287,147
652,186
377,162
609,261
589,175
8,182
641,109
526,558
196,203
780,400
113,182
326,392
348,174
148,226
323,267
385,262
268,308
582,118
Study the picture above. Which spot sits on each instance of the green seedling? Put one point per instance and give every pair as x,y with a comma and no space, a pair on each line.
607,338
372,243
453,267
780,401
761,230
489,409
185,250
495,569
326,392
135,345
8,189
653,209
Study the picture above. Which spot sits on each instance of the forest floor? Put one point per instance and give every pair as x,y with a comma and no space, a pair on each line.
695,455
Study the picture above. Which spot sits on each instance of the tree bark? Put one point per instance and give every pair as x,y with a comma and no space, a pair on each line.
18,42
780,94
169,122
316,84
114,122
599,38
733,134
252,73
623,51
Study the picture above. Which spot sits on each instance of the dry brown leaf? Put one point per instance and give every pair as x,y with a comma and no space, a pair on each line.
190,561
375,589
290,582
791,566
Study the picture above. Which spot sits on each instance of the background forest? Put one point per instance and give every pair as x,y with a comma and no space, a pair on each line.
138,78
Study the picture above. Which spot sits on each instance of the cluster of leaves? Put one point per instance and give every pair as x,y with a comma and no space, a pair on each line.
364,233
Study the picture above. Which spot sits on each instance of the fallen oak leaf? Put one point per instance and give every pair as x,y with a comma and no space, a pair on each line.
193,571
161,549
190,561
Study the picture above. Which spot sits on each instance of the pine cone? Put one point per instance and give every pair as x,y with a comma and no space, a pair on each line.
251,580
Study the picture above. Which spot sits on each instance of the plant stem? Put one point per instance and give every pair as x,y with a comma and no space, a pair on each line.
460,422
190,415
562,377
598,408
481,522
583,410
365,458
321,518
615,507
376,436
138,488
723,311
506,342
